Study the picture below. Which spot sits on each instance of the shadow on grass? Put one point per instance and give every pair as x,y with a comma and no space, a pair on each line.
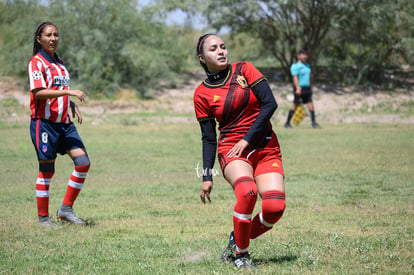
88,223
277,260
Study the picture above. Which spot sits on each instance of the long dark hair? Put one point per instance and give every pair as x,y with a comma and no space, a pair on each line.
38,32
200,49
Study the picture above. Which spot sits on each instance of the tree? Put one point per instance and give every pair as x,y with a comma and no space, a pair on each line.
282,27
16,40
107,45
373,37
359,37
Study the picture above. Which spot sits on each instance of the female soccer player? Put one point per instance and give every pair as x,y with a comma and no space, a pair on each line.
302,92
51,128
239,98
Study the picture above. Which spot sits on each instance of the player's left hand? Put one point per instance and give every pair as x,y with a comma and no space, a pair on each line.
205,191
237,149
75,111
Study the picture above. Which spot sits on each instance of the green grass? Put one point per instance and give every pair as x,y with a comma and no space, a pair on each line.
350,204
12,109
388,106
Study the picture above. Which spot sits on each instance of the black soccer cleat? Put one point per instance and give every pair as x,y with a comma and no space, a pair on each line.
244,261
229,253
315,125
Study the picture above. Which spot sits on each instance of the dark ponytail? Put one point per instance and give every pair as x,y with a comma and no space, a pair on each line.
38,32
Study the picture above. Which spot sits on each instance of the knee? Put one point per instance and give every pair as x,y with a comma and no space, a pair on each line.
246,194
245,187
276,209
82,161
47,167
273,206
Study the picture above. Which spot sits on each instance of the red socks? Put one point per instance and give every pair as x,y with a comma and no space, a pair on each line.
273,206
75,184
42,192
46,172
246,194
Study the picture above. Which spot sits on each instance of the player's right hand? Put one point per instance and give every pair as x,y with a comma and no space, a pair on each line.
238,149
298,91
79,94
205,191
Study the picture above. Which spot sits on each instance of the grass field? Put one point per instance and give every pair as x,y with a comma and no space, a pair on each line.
350,204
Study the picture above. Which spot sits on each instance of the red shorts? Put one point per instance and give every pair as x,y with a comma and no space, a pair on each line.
263,161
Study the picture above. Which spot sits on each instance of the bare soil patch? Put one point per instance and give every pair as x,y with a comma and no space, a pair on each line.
334,104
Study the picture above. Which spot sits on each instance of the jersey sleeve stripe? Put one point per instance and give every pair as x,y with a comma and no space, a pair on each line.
205,118
257,81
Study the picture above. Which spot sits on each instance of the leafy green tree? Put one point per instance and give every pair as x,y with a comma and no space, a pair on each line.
282,27
358,37
378,34
16,35
106,44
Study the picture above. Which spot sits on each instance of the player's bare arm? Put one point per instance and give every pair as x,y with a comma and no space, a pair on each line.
296,82
49,93
51,129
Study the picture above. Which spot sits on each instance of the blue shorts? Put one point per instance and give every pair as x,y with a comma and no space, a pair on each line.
50,138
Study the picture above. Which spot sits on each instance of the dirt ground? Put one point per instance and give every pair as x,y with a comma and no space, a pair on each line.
333,104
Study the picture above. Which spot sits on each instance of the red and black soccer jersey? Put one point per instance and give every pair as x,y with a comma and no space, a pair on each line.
48,73
232,103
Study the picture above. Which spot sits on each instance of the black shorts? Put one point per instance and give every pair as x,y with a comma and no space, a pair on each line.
304,97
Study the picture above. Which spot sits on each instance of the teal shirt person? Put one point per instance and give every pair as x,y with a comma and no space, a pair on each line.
302,90
303,71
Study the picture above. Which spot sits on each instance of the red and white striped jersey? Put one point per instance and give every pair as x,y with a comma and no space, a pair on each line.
48,73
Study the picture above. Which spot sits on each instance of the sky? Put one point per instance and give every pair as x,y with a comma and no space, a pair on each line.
177,17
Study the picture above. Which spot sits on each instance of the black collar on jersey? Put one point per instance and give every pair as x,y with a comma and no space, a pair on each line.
48,57
217,78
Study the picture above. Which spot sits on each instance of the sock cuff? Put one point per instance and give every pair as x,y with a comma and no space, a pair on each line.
82,160
273,194
242,180
242,250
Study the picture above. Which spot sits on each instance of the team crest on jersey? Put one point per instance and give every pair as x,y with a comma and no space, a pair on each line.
215,98
242,81
61,81
36,75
